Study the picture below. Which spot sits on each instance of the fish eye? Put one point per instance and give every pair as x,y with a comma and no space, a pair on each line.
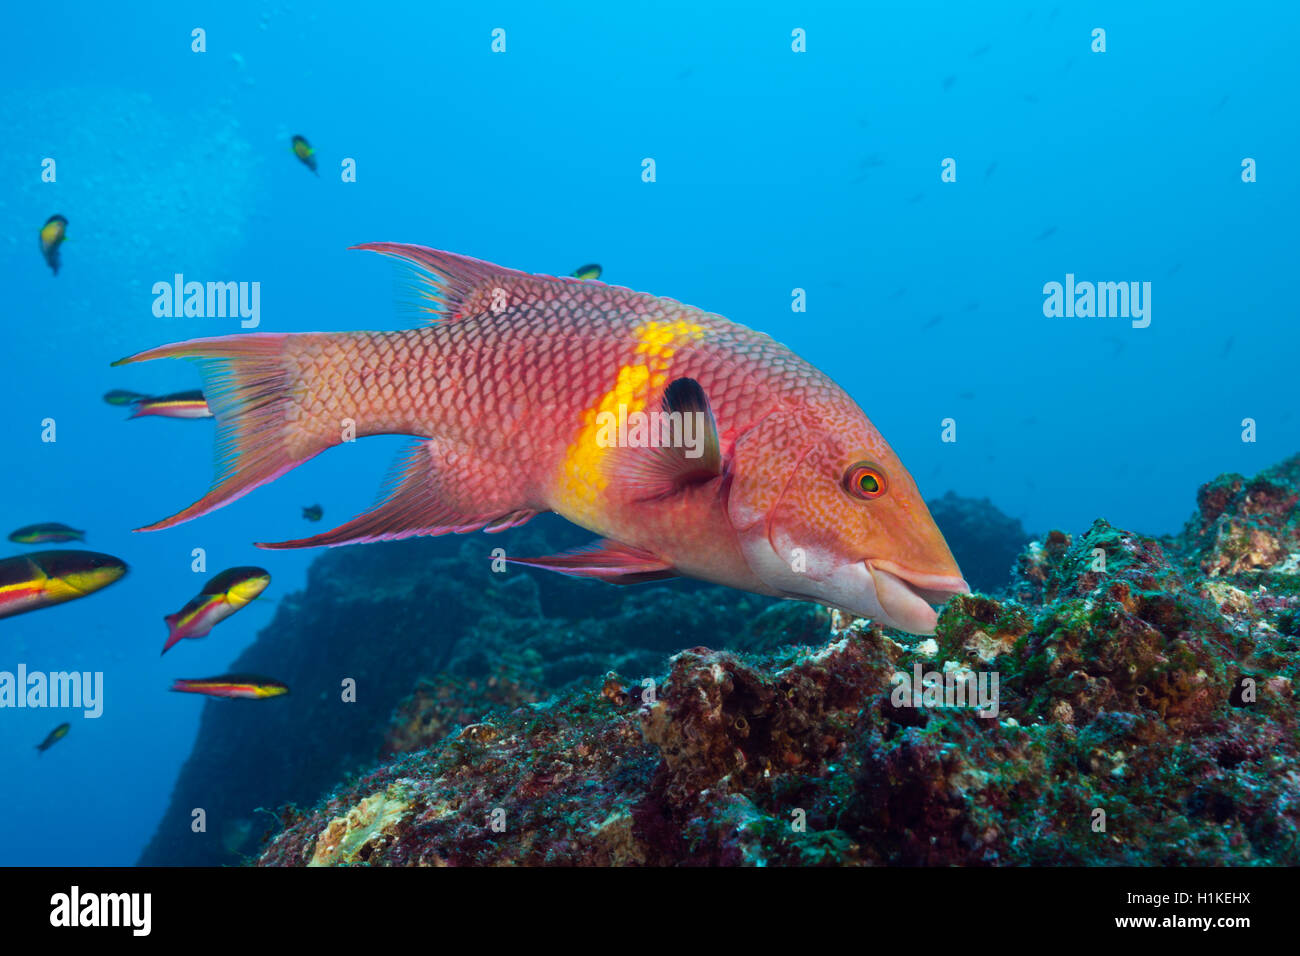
865,480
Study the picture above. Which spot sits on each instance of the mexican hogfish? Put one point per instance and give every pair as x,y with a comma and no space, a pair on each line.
789,489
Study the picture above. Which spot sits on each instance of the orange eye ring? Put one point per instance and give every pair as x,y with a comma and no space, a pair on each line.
865,480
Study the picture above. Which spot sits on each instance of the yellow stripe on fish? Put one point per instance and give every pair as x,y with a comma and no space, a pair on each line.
582,481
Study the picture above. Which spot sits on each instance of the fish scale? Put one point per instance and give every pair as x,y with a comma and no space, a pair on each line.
509,393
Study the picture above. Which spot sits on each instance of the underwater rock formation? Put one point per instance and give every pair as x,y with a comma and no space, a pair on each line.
434,640
392,617
1144,712
984,541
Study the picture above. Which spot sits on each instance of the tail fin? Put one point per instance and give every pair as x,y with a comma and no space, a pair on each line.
262,432
173,632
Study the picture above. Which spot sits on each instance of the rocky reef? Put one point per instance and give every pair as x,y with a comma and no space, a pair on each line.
1119,700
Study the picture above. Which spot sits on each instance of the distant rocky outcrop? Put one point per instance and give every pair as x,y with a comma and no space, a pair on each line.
984,541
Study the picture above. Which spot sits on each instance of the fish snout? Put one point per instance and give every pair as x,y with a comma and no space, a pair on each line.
941,584
908,597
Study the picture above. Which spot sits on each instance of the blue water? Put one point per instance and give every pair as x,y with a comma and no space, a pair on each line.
775,170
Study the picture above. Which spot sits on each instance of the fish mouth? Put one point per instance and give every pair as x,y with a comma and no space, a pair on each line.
907,596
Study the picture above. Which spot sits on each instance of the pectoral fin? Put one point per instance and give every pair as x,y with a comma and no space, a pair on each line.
689,451
606,561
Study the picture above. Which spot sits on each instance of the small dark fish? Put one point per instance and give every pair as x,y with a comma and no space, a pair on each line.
44,578
948,82
54,736
896,294
933,321
1227,346
228,592
980,51
53,234
232,686
1221,104
302,149
913,200
122,397
590,271
1117,345
1031,98
190,404
49,532
971,306
989,172
1047,233
313,512
874,161
1177,266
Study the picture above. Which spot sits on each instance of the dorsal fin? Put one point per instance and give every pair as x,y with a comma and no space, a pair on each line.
451,287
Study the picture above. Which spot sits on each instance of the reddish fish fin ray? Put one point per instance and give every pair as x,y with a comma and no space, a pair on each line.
444,281
512,520
604,560
412,505
173,632
650,473
450,287
249,388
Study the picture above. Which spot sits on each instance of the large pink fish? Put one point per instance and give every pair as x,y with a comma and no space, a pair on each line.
693,445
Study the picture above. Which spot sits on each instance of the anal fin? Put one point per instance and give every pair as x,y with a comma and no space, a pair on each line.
605,560
429,492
